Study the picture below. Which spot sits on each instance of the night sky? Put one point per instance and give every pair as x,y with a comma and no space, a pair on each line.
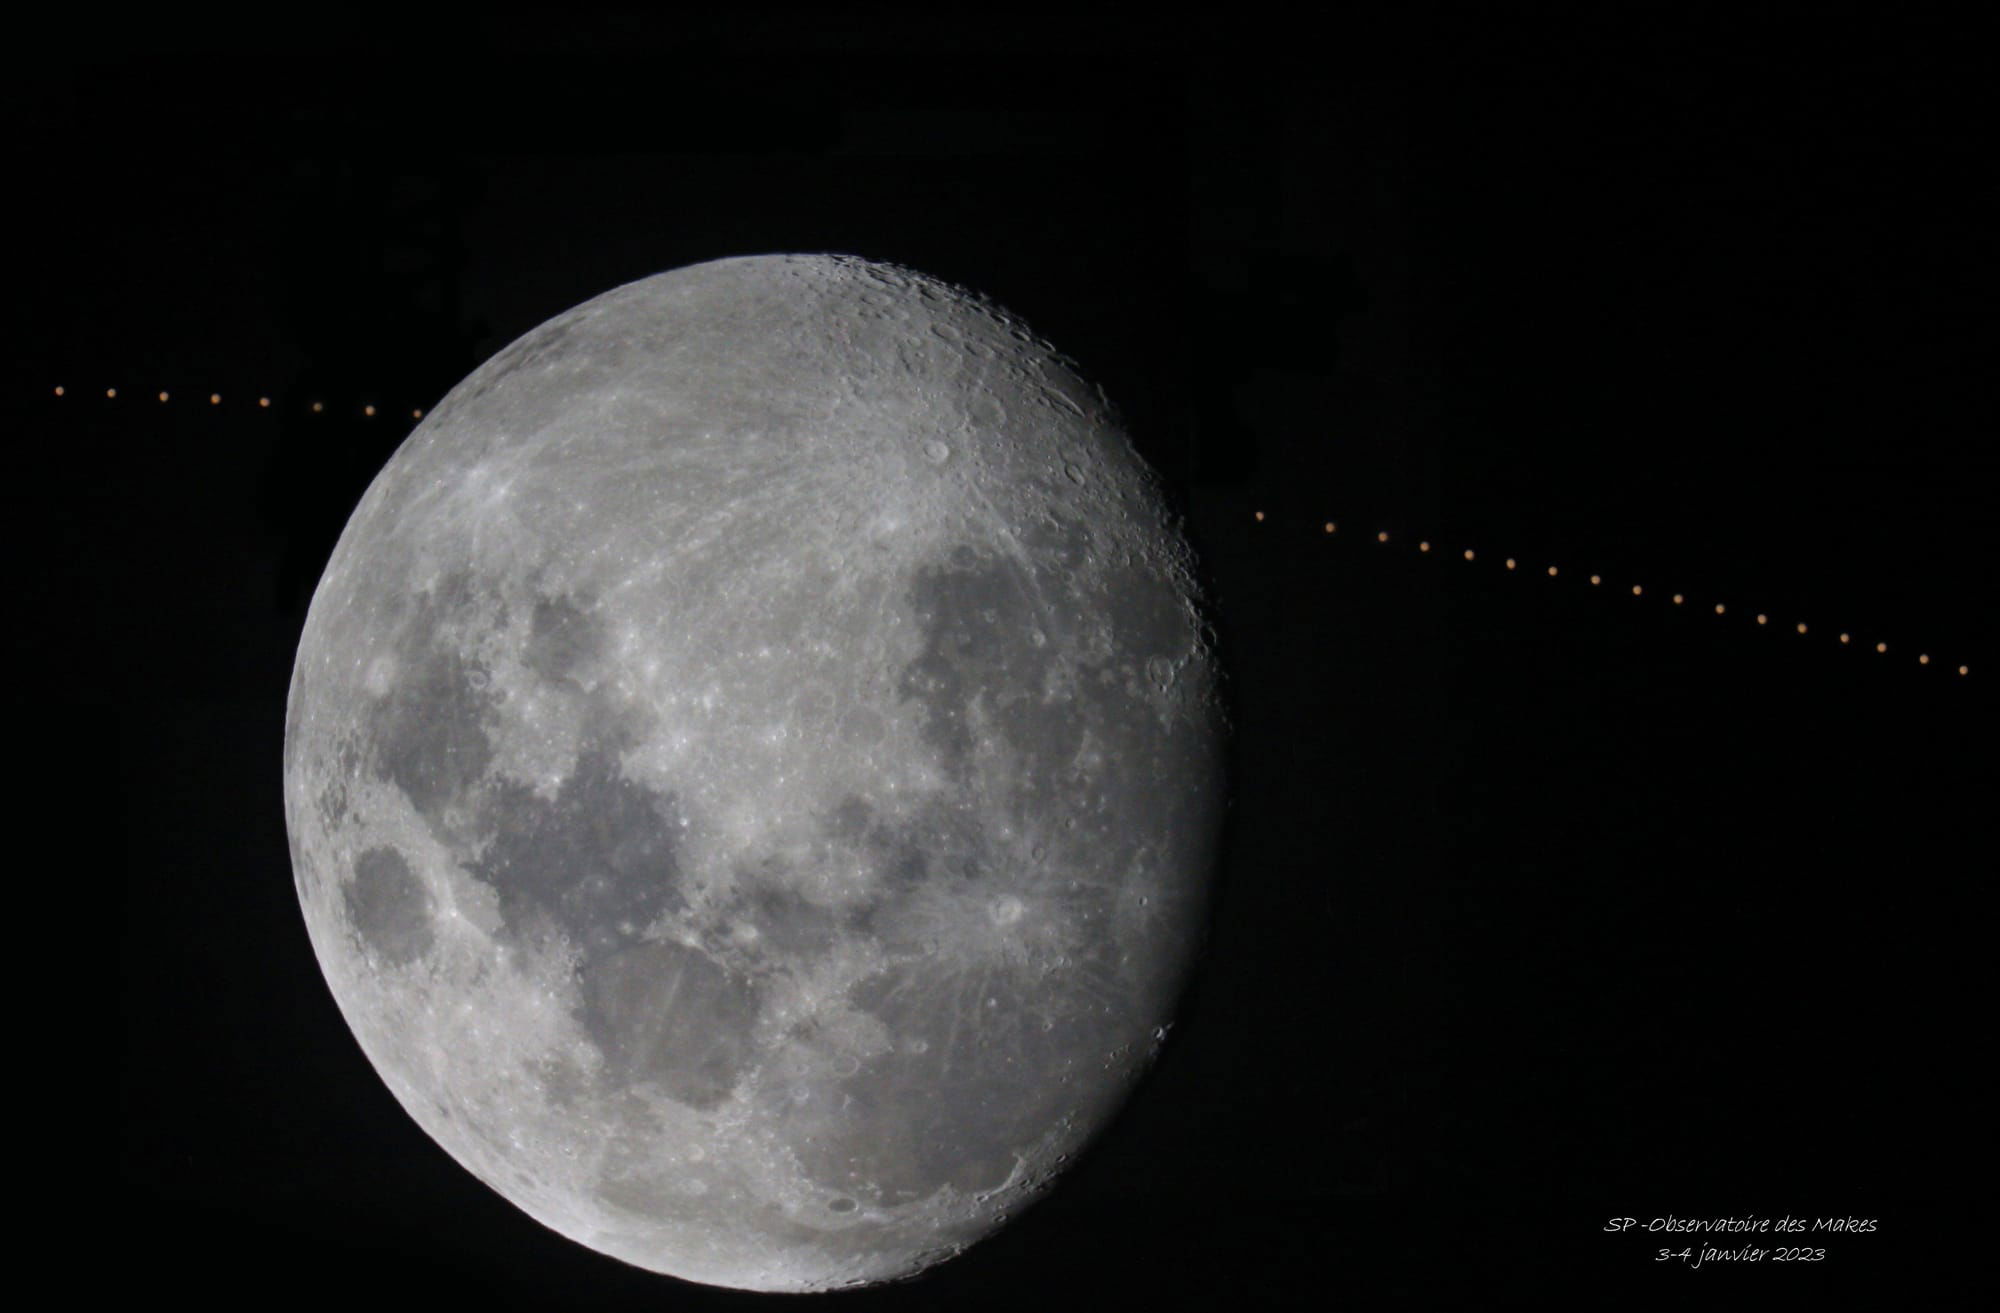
1542,903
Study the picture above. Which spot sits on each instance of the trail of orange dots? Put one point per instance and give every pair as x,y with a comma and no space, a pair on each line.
1328,527
1638,590
369,411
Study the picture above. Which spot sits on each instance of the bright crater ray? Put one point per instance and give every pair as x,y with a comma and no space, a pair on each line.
752,769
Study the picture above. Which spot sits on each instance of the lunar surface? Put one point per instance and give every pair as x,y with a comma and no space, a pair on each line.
752,770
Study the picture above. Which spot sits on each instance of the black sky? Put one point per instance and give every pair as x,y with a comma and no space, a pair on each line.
1543,904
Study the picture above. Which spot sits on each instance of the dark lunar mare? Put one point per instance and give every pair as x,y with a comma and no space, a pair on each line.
429,735
593,867
389,906
983,1057
596,865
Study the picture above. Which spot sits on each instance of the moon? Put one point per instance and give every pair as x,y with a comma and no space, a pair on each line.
753,771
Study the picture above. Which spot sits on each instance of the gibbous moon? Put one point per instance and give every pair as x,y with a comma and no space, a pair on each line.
753,771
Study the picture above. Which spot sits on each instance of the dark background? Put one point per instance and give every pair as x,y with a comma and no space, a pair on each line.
1543,904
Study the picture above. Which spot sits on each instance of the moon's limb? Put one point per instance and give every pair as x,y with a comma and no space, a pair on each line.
752,771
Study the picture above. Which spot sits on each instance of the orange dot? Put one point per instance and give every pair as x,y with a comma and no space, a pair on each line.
1924,659
1761,619
1468,553
1329,526
1510,563
111,392
1596,579
1881,647
1719,608
59,391
1382,537
1260,517
416,414
265,402
1636,590
368,410
1423,547
1802,628
317,408
1962,670
1678,599
163,396
1843,638
1552,572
